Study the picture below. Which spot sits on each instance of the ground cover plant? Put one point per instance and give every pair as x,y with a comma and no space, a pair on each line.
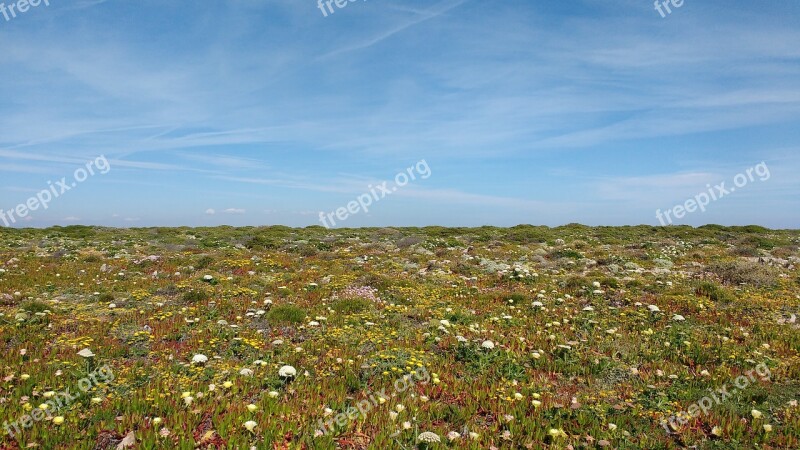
280,338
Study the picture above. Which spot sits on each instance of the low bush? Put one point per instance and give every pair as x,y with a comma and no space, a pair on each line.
286,314
743,272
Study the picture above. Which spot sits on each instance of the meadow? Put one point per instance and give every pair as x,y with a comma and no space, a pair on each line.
400,338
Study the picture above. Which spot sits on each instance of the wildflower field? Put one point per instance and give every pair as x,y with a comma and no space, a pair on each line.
400,338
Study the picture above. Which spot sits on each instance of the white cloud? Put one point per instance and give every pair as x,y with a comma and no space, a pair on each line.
235,211
210,212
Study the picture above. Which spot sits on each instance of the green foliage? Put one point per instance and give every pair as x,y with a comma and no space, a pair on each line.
204,262
286,314
714,292
351,305
195,296
105,298
742,272
34,306
565,253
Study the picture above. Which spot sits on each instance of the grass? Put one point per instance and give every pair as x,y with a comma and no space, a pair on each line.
583,345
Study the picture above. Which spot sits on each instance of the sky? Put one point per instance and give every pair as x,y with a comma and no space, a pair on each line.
264,112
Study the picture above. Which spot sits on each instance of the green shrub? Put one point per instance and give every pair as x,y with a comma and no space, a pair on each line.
204,263
742,272
565,253
714,292
195,296
610,282
351,305
575,283
264,243
106,298
34,306
286,314
745,251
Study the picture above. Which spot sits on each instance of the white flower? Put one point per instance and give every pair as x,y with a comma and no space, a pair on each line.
588,308
246,372
287,372
756,414
445,323
453,435
654,308
428,438
678,318
488,345
273,394
199,359
250,425
208,278
86,353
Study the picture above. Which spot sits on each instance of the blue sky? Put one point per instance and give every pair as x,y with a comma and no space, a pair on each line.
268,112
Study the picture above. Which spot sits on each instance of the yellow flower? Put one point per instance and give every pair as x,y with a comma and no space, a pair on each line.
251,407
756,414
58,420
227,385
767,427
